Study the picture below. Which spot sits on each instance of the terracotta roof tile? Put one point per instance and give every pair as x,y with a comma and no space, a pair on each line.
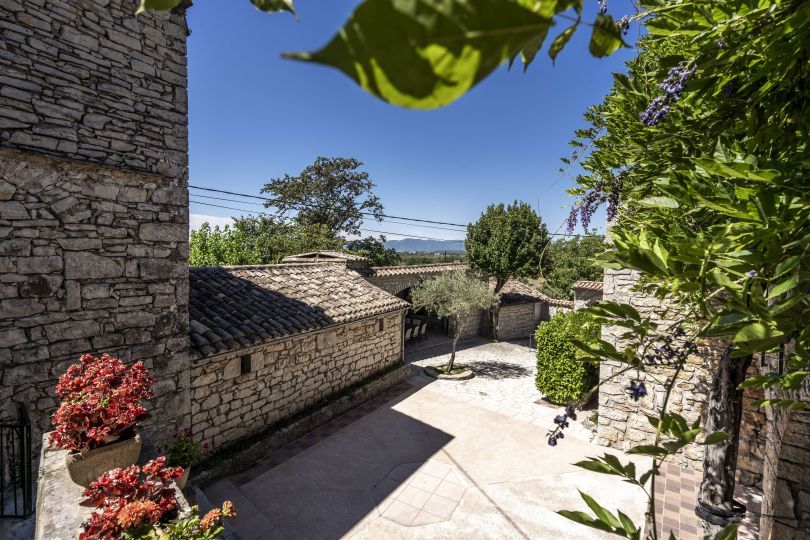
324,256
434,268
240,306
588,285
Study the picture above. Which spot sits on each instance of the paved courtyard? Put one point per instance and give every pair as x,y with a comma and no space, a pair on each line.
431,459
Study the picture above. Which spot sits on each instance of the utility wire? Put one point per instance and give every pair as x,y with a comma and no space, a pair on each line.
310,206
365,230
363,213
386,220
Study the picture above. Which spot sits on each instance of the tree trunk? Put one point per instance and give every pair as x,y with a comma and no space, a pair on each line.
456,334
495,310
724,414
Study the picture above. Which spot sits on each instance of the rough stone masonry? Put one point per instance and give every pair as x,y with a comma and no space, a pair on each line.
93,198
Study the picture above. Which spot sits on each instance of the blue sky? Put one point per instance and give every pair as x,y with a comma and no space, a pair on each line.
254,116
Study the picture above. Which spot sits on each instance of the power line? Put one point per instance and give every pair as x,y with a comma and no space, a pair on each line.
365,230
310,206
386,220
362,213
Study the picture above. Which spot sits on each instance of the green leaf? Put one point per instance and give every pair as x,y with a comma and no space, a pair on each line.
729,532
757,336
156,5
425,54
585,519
648,450
604,515
273,6
659,202
560,41
716,437
606,37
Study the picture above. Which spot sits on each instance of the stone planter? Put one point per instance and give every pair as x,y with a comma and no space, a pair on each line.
436,374
85,467
181,482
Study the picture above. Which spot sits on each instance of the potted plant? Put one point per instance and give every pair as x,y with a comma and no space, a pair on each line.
131,500
101,403
183,454
209,527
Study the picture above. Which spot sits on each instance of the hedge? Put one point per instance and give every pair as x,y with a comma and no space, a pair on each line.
560,377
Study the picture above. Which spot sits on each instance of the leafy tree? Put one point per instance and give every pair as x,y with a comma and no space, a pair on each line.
507,242
331,192
256,240
375,250
572,259
453,295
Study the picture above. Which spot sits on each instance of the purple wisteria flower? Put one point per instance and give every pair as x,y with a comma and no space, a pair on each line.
673,87
624,24
637,390
603,5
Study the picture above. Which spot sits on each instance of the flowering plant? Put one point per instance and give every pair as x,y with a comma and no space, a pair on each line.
101,398
210,527
185,450
130,498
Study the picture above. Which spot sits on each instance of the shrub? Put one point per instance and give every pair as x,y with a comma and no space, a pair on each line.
130,499
560,376
185,450
100,399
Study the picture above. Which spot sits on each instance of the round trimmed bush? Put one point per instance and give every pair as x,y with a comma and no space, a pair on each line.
560,376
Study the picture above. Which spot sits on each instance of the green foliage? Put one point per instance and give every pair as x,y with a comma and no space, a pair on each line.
191,527
508,241
256,240
561,374
571,260
374,249
331,193
452,294
185,451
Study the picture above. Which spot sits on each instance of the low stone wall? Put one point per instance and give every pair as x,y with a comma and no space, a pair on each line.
59,514
241,393
93,259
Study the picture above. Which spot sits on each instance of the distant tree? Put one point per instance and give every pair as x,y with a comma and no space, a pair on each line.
453,295
507,242
331,192
572,260
256,240
375,250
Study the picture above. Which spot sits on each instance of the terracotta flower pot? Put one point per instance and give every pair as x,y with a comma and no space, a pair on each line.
181,482
85,467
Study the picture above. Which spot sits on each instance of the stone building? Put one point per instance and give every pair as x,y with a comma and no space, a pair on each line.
586,293
272,341
93,198
774,450
523,308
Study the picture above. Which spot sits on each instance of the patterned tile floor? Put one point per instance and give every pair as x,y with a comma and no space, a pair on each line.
429,492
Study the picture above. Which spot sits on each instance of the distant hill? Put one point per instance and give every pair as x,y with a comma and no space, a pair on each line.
415,245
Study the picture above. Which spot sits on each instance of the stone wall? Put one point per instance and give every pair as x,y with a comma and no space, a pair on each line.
622,421
395,284
519,320
93,198
92,259
91,81
786,469
287,377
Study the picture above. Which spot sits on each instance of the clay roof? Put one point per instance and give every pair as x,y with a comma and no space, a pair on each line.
516,292
239,306
321,255
587,285
434,268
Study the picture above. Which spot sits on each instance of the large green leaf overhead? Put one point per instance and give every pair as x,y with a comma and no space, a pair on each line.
425,54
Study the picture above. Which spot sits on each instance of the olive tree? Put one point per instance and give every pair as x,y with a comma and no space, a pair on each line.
453,295
506,242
